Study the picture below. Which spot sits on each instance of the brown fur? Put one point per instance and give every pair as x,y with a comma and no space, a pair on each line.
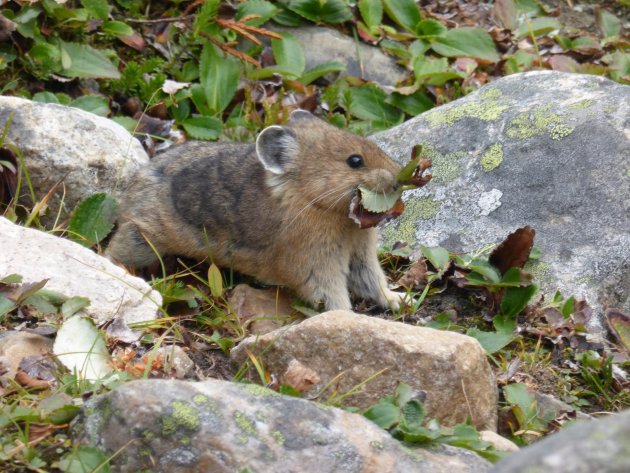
277,211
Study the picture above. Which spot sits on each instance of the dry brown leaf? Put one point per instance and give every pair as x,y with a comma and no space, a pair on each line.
514,251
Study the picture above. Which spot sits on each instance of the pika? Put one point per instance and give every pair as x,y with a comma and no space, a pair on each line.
276,210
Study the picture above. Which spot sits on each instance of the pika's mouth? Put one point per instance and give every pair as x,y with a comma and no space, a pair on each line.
366,219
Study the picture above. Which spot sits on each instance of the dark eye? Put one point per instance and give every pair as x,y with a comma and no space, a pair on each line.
355,161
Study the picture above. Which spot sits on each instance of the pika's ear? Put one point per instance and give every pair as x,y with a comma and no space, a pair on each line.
276,148
300,114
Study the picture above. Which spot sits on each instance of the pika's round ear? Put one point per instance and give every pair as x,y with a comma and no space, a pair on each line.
300,114
276,148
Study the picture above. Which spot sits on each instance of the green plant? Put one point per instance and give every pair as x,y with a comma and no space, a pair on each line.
404,416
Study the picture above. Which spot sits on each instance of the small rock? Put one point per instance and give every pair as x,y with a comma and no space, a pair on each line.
90,153
14,346
262,310
168,426
351,348
73,270
498,442
176,361
585,447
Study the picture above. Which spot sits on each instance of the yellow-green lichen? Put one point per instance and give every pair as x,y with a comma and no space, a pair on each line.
259,391
492,158
185,440
491,93
377,445
539,270
184,416
444,167
246,425
523,126
200,399
488,109
278,437
584,279
582,104
261,416
148,435
423,208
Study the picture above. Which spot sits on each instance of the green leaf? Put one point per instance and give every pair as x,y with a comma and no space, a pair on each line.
538,27
431,27
467,41
406,172
329,11
45,97
608,24
97,8
403,394
371,12
206,15
378,202
6,305
93,219
219,75
489,272
517,394
117,28
74,305
11,279
85,460
494,341
413,104
92,103
289,56
568,307
321,70
404,13
263,9
384,414
516,299
434,71
370,103
437,256
215,281
413,414
83,61
203,127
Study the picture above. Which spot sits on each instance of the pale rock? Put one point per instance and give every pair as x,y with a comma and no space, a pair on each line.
498,442
74,270
351,349
176,361
168,426
91,153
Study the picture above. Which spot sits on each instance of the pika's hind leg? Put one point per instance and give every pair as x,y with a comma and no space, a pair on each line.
129,247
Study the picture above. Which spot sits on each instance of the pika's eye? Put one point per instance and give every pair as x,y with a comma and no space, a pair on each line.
355,161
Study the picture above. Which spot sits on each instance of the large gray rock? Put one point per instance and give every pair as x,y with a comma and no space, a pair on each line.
73,270
91,153
545,149
598,446
347,350
218,426
326,44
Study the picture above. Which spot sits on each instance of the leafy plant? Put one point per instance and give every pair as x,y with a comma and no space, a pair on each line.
93,219
404,416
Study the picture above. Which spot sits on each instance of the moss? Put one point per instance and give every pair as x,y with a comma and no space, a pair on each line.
492,158
147,435
184,416
487,110
246,427
582,104
423,208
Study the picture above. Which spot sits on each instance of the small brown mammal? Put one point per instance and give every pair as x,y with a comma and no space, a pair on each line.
276,210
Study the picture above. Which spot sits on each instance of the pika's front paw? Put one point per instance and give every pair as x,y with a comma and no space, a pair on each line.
395,299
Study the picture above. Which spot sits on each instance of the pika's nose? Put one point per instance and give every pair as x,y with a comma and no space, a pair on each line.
386,182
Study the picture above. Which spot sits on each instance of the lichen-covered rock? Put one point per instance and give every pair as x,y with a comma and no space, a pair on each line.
218,426
352,350
90,153
545,149
73,270
601,446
